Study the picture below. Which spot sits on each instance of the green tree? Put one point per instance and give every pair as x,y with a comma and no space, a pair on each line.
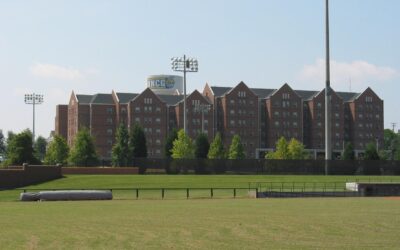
370,152
216,150
83,152
296,150
40,147
20,149
137,142
236,150
2,143
169,143
182,147
202,146
348,153
57,152
388,139
120,151
281,152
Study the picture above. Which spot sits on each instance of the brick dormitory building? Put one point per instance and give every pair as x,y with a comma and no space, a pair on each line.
259,116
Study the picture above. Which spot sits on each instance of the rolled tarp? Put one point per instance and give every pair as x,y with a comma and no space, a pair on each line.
67,195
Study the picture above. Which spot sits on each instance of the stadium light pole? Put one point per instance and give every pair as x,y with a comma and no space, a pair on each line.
33,99
184,64
328,153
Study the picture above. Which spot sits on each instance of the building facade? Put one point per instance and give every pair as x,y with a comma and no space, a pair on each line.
259,116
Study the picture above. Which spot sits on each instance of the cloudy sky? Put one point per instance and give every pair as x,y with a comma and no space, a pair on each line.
54,47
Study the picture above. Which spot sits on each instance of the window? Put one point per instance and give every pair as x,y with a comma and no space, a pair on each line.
295,114
276,113
109,141
337,115
337,124
295,124
360,116
319,124
137,119
241,94
158,109
109,131
277,124
123,110
285,96
158,142
158,131
148,100
319,105
137,109
158,120
232,111
195,102
232,102
368,99
232,122
110,110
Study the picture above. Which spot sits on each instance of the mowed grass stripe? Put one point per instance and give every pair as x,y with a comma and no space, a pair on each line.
182,181
331,223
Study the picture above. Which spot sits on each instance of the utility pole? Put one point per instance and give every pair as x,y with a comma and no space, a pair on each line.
393,125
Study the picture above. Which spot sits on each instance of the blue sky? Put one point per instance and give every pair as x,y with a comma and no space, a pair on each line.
54,47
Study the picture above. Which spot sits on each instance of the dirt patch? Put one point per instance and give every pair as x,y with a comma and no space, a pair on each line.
393,198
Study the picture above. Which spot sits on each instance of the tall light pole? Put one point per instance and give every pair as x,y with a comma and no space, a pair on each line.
184,65
328,150
33,99
202,108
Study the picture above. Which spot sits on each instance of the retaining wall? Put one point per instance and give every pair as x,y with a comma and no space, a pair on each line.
19,176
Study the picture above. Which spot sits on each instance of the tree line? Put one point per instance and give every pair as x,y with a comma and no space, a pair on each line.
130,144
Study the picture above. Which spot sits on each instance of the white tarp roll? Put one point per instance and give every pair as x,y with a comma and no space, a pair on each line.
67,195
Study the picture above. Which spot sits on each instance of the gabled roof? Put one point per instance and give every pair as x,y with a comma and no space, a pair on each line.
348,96
102,99
171,99
307,94
126,97
84,99
220,91
262,93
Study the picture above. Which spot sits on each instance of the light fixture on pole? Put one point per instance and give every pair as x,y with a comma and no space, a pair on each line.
328,146
33,99
184,65
203,108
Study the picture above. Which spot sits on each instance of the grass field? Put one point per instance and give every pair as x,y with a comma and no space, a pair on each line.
177,223
183,181
330,223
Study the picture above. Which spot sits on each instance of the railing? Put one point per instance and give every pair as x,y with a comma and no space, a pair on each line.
309,189
165,193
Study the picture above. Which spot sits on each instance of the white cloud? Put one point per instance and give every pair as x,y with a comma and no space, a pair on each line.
56,71
360,73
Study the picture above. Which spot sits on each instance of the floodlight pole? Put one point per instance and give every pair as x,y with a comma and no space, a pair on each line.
184,65
184,94
33,99
328,150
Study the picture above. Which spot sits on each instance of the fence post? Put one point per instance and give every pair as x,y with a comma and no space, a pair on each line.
234,193
212,193
162,193
187,193
137,193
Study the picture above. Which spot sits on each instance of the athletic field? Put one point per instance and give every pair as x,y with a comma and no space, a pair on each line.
220,223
